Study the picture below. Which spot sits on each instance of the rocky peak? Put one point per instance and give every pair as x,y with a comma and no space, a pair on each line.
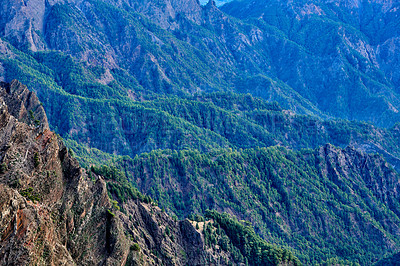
211,3
42,190
356,4
165,12
23,104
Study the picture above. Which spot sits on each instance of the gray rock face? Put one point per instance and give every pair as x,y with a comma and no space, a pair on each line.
166,11
22,21
389,59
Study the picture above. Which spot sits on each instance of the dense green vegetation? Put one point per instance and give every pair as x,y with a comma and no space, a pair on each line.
241,240
309,200
113,123
212,121
244,245
392,260
200,122
204,124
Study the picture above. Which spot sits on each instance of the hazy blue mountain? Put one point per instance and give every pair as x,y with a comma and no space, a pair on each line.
326,63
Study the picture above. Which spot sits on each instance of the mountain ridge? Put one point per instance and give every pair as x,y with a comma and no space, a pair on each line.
237,46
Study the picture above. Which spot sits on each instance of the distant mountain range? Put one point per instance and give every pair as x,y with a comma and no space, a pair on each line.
306,55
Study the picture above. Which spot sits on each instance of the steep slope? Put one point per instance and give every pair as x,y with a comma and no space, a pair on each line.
93,72
174,179
153,49
126,77
294,53
342,43
52,212
45,196
324,203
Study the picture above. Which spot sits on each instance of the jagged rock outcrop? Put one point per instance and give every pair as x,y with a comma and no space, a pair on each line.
51,213
24,104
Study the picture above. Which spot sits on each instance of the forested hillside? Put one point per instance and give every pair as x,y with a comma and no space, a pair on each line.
323,203
107,82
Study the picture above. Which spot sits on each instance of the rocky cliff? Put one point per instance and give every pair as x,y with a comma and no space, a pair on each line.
51,213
